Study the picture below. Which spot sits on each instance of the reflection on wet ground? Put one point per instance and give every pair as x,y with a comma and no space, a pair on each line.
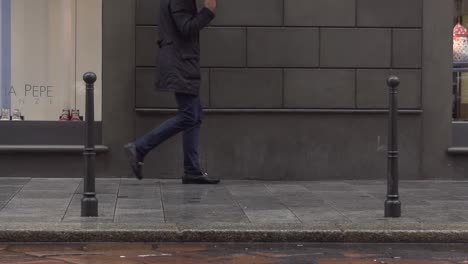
258,253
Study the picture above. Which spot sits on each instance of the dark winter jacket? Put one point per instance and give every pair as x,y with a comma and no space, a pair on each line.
179,56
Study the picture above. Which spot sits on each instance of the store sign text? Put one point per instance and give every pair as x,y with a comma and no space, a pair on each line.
38,94
37,90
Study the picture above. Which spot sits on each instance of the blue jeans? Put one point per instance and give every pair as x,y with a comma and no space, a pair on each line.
188,120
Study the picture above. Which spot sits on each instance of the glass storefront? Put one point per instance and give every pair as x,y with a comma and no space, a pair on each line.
46,46
460,61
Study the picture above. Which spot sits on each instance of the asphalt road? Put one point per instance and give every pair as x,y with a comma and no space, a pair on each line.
258,253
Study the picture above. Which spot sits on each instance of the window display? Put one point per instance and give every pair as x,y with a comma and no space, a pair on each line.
460,44
46,46
460,61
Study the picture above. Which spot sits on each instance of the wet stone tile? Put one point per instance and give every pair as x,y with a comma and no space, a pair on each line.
123,203
32,211
106,206
9,190
428,194
375,216
286,188
177,187
52,184
375,189
301,200
134,181
139,216
56,204
206,197
104,210
340,195
29,194
364,182
448,204
203,213
103,187
95,220
329,186
139,191
13,181
249,190
419,184
102,198
30,218
261,203
319,215
271,216
364,204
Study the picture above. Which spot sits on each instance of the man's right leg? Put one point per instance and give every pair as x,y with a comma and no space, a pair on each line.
137,151
158,135
184,119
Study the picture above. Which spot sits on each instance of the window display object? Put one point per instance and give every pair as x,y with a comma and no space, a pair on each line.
73,115
460,44
15,115
5,115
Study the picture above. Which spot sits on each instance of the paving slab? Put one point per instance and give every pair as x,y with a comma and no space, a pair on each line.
125,203
139,216
272,216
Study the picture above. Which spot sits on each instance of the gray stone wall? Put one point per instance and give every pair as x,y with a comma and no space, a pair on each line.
296,53
317,68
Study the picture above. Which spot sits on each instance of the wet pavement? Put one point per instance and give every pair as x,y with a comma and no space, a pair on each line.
49,210
234,253
26,200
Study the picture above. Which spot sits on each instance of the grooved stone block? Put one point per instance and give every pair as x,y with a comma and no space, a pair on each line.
386,13
360,48
223,47
147,50
407,48
283,47
147,97
147,12
372,89
228,12
319,88
320,13
289,146
246,88
249,13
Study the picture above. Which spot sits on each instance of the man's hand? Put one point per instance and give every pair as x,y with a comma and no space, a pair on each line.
211,5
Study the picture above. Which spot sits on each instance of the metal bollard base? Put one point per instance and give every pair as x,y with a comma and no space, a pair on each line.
392,208
89,207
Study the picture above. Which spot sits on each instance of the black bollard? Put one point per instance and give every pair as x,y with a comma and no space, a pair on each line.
89,202
393,204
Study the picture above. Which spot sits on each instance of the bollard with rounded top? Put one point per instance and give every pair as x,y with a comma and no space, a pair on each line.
90,78
89,202
393,204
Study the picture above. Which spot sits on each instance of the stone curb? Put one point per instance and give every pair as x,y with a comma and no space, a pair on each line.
361,236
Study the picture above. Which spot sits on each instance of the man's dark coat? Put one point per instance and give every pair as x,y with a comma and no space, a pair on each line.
179,57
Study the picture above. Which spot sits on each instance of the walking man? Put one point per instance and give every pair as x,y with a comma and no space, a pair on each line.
179,72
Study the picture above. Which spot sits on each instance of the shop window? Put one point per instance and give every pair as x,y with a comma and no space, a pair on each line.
45,47
460,61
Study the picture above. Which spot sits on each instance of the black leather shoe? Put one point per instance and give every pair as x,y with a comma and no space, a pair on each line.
135,162
198,179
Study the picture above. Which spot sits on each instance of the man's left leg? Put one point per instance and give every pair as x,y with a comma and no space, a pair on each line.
191,138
